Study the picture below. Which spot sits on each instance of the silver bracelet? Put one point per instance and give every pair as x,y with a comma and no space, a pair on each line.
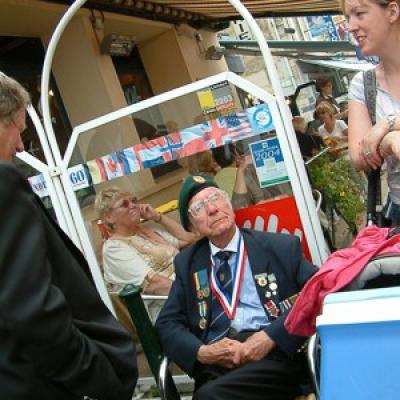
391,121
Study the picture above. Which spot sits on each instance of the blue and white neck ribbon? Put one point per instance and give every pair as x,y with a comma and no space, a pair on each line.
230,304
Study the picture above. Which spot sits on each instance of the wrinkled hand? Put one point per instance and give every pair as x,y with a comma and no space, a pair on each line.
390,145
256,347
148,212
369,146
225,353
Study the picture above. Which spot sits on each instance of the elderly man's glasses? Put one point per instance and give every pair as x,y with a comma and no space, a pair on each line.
126,203
199,207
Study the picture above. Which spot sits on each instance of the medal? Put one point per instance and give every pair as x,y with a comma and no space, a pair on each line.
203,313
202,323
200,294
206,292
272,309
261,279
268,294
273,286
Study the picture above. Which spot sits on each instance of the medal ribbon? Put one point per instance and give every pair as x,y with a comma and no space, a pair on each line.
230,304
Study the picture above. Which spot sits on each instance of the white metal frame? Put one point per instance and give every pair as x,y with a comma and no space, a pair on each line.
292,156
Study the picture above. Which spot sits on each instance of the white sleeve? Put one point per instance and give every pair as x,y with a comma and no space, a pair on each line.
356,90
342,125
123,264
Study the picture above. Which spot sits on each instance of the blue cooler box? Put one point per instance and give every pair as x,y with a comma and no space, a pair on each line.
360,345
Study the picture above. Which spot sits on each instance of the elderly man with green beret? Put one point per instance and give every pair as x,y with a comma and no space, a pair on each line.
223,322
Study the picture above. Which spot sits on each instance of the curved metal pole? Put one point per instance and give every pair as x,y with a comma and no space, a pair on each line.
44,85
60,172
55,159
307,198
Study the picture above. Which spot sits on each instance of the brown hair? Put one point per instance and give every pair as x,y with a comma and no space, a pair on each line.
13,98
321,82
381,3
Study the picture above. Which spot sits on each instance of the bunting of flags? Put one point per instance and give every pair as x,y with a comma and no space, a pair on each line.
176,145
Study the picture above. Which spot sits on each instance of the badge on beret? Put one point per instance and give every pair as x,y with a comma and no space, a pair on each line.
198,179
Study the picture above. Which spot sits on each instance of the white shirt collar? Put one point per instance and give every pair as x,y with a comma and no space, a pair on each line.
231,246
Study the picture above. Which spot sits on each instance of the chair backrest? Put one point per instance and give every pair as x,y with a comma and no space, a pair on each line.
131,297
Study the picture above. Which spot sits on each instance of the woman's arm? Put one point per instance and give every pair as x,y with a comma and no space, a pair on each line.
174,228
359,125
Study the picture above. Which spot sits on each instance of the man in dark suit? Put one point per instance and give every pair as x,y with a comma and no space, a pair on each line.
57,338
223,322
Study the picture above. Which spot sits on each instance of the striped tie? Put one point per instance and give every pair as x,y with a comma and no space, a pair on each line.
220,322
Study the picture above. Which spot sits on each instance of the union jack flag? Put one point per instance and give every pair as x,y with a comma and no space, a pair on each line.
153,152
238,127
193,139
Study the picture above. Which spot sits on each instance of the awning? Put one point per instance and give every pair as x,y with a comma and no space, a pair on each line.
211,13
341,64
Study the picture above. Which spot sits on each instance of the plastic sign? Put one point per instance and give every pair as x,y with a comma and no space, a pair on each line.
278,216
268,161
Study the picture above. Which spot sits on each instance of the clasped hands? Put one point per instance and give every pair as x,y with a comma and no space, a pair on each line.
230,353
378,144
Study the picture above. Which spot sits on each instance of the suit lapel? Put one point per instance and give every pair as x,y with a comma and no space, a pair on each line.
263,275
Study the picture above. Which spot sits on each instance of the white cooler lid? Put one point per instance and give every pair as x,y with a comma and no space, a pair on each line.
361,306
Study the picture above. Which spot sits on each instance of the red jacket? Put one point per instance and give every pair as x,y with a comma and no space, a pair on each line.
338,271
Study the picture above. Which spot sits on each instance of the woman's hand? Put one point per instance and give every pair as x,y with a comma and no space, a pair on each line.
147,212
390,145
369,145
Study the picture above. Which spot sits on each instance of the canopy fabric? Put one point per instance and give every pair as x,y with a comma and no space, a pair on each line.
204,12
222,9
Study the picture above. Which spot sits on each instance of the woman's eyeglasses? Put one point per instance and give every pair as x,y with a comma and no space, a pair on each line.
126,203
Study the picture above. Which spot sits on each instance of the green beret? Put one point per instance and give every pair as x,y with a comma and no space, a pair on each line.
192,185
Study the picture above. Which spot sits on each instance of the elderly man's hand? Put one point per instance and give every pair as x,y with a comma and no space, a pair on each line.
256,347
225,353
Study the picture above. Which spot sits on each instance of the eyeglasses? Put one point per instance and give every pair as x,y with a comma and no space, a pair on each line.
126,203
199,208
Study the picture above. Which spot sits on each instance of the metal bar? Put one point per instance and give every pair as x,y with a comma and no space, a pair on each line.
316,46
301,187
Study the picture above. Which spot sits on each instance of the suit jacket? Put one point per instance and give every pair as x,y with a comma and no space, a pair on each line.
57,338
178,324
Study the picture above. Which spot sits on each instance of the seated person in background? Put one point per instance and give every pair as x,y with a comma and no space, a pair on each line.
332,131
309,144
246,190
135,254
234,350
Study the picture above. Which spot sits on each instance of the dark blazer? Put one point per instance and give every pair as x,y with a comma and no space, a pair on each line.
178,323
57,338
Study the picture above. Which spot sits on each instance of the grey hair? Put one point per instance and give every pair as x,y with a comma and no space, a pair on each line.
13,98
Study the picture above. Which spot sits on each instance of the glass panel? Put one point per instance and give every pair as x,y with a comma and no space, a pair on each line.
219,130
